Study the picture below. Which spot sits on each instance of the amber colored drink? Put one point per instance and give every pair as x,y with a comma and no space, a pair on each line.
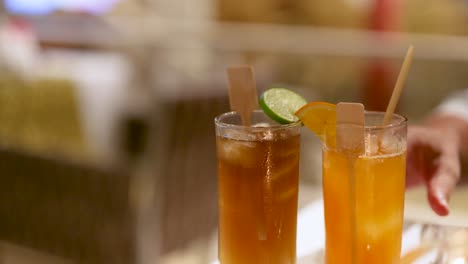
369,231
258,189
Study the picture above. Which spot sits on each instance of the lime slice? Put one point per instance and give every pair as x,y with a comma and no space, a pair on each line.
280,104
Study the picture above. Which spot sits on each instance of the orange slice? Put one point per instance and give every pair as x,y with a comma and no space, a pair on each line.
320,117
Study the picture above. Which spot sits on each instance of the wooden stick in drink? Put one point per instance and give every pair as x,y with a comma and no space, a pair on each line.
399,86
242,91
243,100
350,127
350,140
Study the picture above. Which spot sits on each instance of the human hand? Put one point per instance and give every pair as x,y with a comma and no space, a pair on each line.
434,159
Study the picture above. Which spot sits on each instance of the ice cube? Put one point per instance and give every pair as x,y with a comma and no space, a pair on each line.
235,134
389,145
267,135
371,145
262,125
240,153
381,143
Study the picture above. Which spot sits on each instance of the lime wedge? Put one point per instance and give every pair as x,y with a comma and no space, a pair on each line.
280,104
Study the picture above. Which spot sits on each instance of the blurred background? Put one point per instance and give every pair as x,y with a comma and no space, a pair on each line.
107,150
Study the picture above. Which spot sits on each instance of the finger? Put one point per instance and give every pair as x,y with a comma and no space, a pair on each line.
418,135
415,167
438,202
444,180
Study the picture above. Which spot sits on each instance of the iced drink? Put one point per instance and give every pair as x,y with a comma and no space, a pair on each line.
370,230
258,171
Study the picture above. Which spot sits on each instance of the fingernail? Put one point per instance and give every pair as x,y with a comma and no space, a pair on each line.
442,199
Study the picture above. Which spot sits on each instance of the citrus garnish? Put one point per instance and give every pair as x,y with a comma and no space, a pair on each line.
280,104
320,117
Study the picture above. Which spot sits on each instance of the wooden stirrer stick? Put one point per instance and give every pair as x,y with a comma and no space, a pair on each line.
350,140
242,91
350,127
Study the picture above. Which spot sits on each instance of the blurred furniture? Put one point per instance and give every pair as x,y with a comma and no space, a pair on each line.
190,209
66,209
84,213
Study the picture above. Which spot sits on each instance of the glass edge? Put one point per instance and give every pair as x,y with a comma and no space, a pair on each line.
401,123
219,123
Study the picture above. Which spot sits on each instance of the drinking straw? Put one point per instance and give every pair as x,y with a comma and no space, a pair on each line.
399,86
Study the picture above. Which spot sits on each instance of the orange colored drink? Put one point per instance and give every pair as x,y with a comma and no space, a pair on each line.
364,222
258,172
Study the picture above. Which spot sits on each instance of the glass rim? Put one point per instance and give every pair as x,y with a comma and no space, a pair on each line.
398,123
218,121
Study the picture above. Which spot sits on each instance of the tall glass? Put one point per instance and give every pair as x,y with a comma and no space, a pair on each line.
258,171
364,196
